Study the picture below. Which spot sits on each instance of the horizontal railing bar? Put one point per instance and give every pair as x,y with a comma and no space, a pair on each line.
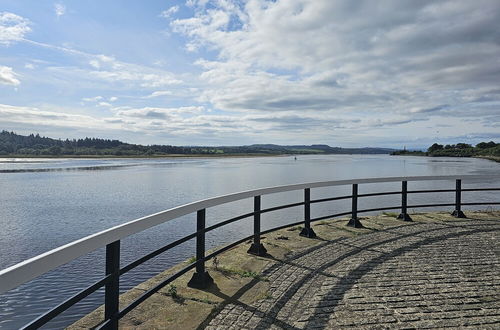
330,199
359,195
155,253
226,222
276,208
43,319
251,214
380,194
330,216
229,246
482,203
154,289
431,205
267,231
481,189
36,266
429,191
380,209
225,248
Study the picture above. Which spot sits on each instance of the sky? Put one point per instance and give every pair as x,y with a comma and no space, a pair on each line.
387,73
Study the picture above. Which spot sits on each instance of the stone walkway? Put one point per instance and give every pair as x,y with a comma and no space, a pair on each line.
422,275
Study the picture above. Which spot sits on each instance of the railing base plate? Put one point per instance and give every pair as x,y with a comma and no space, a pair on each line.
258,250
200,280
355,223
308,232
458,214
404,217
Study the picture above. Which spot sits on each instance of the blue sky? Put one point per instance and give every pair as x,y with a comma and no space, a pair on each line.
201,72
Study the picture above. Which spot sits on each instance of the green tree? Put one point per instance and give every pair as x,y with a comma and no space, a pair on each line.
54,150
435,147
485,145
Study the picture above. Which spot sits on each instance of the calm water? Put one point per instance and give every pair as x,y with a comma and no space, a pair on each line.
47,203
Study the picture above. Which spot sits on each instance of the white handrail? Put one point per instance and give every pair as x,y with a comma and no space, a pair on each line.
27,270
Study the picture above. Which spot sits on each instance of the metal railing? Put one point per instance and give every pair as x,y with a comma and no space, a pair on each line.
27,270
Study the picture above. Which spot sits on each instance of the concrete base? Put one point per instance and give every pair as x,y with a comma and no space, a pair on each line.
200,280
404,217
458,214
308,232
258,250
355,223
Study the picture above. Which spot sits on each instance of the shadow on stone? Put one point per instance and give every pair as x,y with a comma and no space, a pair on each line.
355,223
200,280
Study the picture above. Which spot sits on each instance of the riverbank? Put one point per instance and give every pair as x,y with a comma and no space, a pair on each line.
487,150
142,156
249,289
493,158
423,154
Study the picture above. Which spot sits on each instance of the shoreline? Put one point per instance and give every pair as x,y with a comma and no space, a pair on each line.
145,157
166,156
492,158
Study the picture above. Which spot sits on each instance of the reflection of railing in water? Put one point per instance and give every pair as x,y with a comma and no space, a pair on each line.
34,267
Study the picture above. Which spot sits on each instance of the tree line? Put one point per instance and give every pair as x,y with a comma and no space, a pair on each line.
12,144
457,150
34,144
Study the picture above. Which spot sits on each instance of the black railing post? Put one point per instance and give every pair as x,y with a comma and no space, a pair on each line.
201,279
112,288
354,222
404,203
257,247
458,200
307,231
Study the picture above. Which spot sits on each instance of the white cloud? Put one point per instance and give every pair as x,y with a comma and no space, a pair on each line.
8,76
59,9
36,116
196,124
169,12
30,66
108,68
92,99
368,59
157,113
113,99
104,104
158,93
95,63
12,27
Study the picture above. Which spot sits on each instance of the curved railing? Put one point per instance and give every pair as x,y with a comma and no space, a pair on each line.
27,270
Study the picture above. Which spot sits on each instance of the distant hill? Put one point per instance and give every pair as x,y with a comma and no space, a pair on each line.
321,148
12,144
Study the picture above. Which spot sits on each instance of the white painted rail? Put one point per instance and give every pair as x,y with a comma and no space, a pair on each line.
27,270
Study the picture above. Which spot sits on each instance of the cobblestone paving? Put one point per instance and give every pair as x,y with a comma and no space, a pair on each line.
423,275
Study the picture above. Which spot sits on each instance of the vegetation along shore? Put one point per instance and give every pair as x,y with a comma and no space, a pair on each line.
15,145
488,150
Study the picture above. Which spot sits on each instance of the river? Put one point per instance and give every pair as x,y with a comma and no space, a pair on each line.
46,203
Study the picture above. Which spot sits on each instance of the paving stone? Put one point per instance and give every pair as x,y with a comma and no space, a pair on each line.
423,275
